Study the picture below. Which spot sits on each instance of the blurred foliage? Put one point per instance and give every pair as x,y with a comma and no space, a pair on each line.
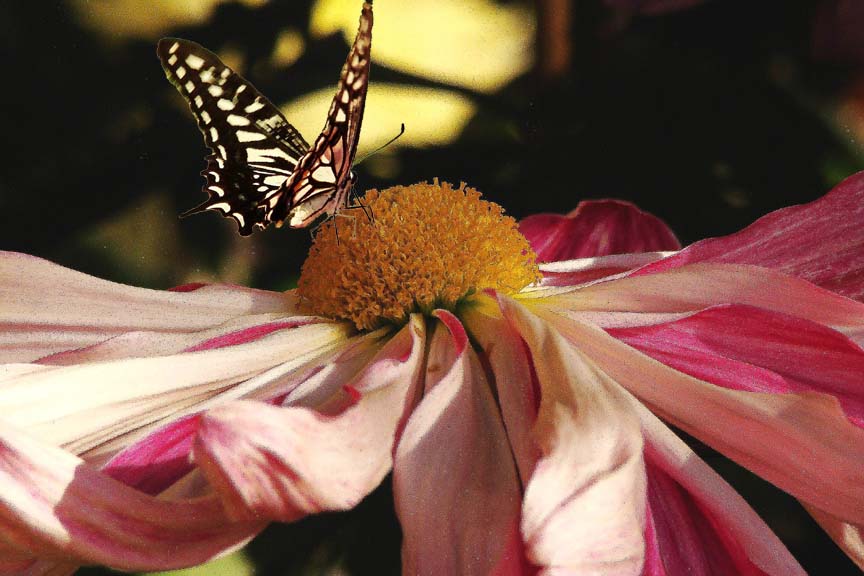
708,116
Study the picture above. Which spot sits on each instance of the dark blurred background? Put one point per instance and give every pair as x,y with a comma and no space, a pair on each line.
708,114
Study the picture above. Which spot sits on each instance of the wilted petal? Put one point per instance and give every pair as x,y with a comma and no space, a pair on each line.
53,505
746,348
822,242
584,508
283,463
789,439
48,308
596,228
697,524
454,481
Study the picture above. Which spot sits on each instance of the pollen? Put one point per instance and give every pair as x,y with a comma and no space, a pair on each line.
420,248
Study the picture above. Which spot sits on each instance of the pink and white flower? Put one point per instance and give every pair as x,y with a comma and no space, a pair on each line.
525,426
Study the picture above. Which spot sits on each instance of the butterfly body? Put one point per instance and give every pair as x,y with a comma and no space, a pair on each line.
260,169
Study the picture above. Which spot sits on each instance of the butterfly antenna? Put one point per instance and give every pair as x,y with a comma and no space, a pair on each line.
401,131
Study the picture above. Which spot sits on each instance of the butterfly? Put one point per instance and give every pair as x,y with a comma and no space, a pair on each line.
260,169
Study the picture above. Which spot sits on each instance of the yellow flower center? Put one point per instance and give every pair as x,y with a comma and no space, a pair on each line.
428,246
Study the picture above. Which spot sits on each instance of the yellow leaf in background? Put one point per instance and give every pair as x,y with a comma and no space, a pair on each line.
432,117
119,19
477,44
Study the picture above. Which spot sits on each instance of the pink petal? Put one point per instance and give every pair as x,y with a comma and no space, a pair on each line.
584,507
596,228
583,270
454,482
698,286
746,348
821,242
789,439
52,505
697,523
283,463
515,384
115,402
140,344
48,308
155,462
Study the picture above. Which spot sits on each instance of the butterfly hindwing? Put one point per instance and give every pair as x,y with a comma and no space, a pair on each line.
323,178
254,149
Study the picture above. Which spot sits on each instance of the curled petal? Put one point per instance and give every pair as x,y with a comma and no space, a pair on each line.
48,308
789,439
821,242
454,456
697,523
584,507
596,228
283,463
53,505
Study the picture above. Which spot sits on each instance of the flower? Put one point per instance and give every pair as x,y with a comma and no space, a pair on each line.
522,420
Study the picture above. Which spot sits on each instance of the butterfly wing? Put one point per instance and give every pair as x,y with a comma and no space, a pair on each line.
323,177
254,149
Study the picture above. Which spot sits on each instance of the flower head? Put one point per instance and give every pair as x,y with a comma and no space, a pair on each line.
522,418
429,246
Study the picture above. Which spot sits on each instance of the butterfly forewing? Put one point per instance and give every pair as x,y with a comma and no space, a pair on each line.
322,180
254,150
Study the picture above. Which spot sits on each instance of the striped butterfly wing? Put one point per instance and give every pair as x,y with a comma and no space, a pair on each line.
254,149
322,180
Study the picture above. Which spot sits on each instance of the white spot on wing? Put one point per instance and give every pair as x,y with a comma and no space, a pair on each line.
254,107
190,87
344,97
300,215
214,90
221,206
199,102
324,174
204,114
207,75
172,59
274,180
173,48
235,120
340,115
194,62
217,189
224,104
240,219
246,136
266,155
222,152
214,135
181,72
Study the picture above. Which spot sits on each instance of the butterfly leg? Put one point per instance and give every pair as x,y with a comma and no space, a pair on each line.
367,210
